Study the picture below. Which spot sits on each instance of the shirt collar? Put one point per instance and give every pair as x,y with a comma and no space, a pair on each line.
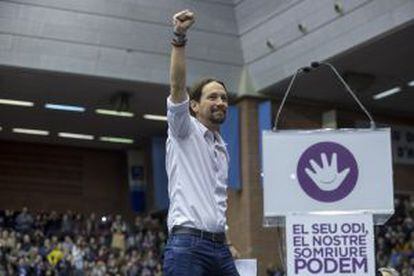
202,128
206,132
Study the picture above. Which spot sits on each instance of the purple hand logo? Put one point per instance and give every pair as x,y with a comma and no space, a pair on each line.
327,171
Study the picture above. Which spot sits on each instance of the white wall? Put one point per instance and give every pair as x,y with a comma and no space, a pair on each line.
328,32
129,39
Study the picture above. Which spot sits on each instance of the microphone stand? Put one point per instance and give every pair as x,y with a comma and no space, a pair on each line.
315,65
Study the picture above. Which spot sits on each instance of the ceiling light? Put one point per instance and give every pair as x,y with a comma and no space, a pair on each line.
65,107
155,117
75,136
114,113
16,102
31,131
116,140
411,83
386,93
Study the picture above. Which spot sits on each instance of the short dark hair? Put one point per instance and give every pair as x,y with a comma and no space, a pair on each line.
196,89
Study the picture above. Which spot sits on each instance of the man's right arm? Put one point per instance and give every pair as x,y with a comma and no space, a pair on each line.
182,22
177,75
179,119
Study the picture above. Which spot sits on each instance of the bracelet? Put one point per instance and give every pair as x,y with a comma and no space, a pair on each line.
179,40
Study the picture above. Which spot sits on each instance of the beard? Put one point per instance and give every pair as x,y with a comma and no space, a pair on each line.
218,117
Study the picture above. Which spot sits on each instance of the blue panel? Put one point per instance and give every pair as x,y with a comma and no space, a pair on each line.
159,173
231,135
265,122
138,201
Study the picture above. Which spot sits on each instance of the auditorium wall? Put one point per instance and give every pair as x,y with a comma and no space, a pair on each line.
45,177
278,37
118,39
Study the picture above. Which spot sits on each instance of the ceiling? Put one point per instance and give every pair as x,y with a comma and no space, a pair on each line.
375,66
43,87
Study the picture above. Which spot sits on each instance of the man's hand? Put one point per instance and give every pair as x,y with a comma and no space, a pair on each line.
182,21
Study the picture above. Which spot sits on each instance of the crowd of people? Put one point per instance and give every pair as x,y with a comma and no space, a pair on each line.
48,243
395,240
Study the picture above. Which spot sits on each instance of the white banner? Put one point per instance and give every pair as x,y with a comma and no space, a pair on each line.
330,245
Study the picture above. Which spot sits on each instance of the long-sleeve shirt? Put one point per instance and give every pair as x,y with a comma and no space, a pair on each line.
197,168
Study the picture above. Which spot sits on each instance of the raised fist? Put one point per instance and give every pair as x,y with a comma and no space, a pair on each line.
182,21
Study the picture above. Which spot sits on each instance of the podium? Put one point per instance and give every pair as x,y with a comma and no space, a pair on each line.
328,187
316,182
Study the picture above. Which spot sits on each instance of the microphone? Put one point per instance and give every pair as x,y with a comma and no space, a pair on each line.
306,69
315,64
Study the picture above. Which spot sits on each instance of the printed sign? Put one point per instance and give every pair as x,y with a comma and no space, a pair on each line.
330,245
327,171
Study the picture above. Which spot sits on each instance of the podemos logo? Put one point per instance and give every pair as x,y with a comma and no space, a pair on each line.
327,171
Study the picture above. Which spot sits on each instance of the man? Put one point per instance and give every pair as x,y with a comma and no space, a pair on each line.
197,167
24,221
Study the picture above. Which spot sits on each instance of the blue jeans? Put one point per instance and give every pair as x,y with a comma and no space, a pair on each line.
189,255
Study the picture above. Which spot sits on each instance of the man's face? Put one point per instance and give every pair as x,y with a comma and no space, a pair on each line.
212,107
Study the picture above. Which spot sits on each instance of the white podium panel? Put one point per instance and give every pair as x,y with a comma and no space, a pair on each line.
327,171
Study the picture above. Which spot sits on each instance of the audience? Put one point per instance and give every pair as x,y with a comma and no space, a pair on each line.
69,244
395,239
72,244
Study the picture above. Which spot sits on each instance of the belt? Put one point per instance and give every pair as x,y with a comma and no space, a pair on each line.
214,237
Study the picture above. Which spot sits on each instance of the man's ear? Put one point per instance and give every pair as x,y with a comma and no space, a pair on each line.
194,106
